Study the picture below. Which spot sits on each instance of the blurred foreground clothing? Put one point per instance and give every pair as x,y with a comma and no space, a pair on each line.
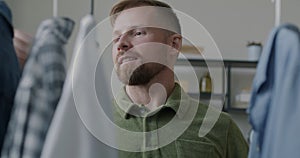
68,136
39,90
275,104
9,69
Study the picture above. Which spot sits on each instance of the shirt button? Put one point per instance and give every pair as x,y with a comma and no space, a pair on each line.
143,111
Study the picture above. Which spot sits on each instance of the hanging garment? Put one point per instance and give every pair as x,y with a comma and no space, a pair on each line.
275,103
9,69
68,136
39,90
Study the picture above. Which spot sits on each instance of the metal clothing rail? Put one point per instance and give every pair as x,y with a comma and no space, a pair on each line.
92,7
54,8
277,11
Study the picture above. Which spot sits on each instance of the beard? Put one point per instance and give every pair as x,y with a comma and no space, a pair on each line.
140,75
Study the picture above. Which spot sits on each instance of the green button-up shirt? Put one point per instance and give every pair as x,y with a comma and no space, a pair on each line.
224,140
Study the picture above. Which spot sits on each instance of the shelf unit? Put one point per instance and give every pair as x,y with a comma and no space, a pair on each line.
226,79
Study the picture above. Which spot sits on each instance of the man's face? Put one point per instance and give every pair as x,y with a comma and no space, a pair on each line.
140,48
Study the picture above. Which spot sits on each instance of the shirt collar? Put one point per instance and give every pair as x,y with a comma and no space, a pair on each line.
178,97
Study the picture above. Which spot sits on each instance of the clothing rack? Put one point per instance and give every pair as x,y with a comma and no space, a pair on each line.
55,8
92,7
277,11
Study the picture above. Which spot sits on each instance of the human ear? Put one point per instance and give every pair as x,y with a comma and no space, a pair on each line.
176,41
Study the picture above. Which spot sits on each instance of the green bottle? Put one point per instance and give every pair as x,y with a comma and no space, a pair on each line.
205,83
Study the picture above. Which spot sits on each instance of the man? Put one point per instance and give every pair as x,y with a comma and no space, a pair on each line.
146,40
22,43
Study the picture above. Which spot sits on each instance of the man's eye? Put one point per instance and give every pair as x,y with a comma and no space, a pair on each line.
115,40
139,33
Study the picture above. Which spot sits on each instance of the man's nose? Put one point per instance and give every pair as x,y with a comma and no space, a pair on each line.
124,44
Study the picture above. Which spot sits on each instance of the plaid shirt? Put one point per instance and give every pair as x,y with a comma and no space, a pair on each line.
39,90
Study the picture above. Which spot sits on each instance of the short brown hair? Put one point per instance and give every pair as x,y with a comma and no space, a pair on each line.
127,4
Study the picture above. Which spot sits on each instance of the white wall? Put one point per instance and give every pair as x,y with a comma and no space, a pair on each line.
28,14
231,23
234,22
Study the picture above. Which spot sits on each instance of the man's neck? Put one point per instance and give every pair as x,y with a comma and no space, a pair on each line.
154,93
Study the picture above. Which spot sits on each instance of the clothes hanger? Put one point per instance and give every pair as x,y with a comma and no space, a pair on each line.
55,8
92,7
277,11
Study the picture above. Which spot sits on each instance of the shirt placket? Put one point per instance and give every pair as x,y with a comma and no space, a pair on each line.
150,143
